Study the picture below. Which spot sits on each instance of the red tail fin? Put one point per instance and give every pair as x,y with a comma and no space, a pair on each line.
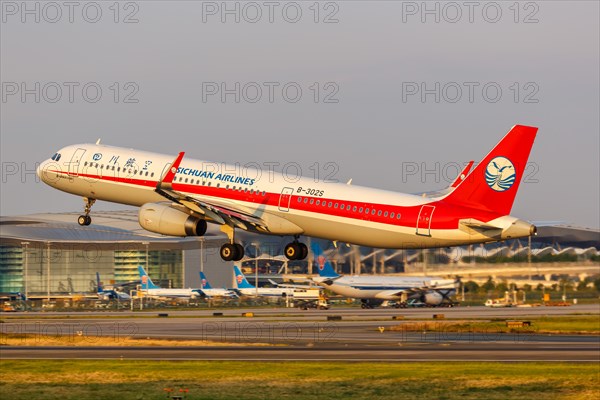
493,184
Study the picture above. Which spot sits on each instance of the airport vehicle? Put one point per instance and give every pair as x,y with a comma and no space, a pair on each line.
247,289
373,290
151,290
178,197
209,291
110,294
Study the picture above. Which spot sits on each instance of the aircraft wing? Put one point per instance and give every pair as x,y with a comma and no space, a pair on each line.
292,286
221,212
390,294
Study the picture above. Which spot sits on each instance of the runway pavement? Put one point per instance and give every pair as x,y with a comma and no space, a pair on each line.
289,334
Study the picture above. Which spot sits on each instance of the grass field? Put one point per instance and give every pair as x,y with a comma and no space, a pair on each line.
82,380
572,324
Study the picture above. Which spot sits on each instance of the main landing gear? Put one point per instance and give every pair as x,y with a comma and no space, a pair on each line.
85,219
296,250
231,251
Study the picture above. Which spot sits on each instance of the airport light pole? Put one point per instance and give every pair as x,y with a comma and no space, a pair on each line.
202,254
147,244
25,280
48,273
255,244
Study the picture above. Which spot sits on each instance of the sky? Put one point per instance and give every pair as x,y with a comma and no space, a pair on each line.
396,95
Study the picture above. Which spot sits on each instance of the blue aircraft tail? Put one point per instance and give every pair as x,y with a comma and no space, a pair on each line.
205,284
145,279
324,266
242,282
100,287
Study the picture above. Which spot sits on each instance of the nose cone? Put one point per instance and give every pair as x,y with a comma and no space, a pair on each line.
43,171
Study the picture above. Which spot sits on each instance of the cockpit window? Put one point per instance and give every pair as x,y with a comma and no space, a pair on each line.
55,157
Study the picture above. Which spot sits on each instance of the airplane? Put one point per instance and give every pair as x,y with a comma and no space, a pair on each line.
110,294
152,290
179,197
373,290
246,289
209,291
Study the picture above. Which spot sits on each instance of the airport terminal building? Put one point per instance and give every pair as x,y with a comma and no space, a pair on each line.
50,254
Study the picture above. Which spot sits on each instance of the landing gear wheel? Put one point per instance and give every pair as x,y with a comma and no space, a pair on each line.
88,220
296,251
239,249
303,251
82,220
232,252
293,251
228,252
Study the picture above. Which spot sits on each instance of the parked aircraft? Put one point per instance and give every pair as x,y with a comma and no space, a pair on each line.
373,290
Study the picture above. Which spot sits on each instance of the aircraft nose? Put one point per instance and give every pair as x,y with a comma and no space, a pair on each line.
42,171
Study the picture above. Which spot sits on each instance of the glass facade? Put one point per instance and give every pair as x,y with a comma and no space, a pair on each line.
62,270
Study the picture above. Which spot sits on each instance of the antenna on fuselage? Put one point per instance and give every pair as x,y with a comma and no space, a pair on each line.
98,141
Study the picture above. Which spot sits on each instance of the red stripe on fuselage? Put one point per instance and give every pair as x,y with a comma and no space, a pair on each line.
445,216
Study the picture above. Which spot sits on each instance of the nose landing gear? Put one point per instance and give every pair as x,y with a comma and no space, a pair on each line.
85,219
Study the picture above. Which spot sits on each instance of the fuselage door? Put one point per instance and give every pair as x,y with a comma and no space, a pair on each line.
75,162
285,198
424,220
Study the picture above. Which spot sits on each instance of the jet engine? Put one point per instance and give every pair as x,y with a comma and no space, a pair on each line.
168,219
432,298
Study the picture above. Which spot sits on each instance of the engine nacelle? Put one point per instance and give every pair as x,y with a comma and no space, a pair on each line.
433,298
166,219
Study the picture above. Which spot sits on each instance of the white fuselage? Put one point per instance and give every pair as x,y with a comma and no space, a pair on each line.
267,292
382,287
172,293
334,211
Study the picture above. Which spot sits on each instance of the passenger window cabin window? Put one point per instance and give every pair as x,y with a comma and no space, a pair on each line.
360,210
305,200
385,214
152,174
312,201
84,164
299,199
373,212
398,216
318,202
366,210
392,215
354,208
335,205
379,213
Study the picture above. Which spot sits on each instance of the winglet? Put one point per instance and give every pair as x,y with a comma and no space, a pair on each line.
169,175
